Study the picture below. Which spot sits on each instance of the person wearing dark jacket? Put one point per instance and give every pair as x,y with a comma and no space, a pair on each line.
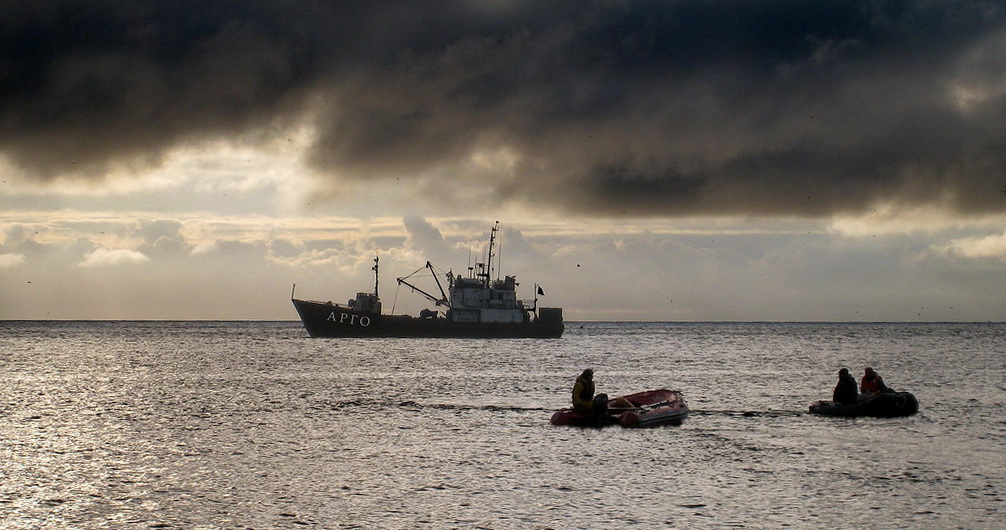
583,392
845,390
872,384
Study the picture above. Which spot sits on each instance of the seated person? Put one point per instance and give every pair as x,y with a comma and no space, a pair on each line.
583,392
845,390
872,384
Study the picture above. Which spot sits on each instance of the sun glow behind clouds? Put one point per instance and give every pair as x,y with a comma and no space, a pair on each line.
992,246
254,176
103,256
888,219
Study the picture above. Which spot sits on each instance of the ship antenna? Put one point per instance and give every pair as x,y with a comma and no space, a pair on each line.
377,263
471,270
489,257
499,260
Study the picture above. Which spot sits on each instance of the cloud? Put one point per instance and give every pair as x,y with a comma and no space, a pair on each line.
700,269
14,233
118,83
424,236
151,230
993,246
11,260
669,109
105,257
285,249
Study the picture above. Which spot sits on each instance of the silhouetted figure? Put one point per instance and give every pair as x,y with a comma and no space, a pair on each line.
871,384
845,390
583,392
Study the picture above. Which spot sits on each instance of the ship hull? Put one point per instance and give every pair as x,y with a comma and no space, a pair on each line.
328,320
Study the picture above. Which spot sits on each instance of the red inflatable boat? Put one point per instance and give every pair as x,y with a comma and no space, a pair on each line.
642,409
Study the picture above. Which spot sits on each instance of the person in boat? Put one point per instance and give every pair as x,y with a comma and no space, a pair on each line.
845,390
871,384
583,392
586,403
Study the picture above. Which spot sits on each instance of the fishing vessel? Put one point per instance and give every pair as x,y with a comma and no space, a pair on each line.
473,306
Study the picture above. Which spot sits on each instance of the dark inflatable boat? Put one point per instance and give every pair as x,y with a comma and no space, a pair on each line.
884,405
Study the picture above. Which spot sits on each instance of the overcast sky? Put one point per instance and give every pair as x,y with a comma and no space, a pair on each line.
665,160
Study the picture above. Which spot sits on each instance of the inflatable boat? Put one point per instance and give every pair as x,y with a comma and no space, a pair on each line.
883,405
642,409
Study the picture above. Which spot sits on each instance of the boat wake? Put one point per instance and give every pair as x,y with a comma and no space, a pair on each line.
748,413
355,404
466,406
373,406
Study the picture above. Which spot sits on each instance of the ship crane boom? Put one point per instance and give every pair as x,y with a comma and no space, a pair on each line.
442,301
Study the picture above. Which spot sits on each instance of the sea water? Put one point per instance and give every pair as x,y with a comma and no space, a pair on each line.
255,425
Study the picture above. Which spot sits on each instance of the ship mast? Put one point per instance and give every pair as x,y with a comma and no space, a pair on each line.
489,258
377,262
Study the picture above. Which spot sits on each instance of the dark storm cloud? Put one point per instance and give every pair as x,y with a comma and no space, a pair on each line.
85,83
648,108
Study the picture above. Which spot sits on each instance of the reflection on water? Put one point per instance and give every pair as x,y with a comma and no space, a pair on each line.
225,425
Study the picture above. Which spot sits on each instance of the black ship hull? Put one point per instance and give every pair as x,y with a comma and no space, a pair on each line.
325,319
